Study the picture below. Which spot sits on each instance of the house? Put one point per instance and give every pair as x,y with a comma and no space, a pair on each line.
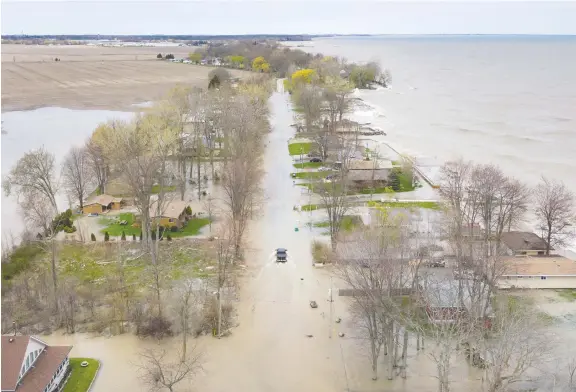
30,365
172,214
442,302
522,243
101,203
534,272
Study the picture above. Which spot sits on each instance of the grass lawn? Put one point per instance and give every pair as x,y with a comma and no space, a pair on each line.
407,204
115,229
308,165
310,174
384,189
156,188
310,207
567,294
405,182
81,377
349,222
192,228
299,148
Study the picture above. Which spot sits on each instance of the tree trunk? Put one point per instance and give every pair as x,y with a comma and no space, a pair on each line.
405,353
549,239
391,351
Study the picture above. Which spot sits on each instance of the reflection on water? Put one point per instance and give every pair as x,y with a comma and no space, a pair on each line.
57,130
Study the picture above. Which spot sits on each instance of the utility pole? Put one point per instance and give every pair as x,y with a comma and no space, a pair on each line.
331,308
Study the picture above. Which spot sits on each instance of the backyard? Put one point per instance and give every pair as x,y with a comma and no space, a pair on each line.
81,377
124,222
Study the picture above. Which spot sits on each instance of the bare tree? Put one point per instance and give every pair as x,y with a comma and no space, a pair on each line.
188,298
225,258
555,210
76,174
515,344
33,173
97,165
309,103
37,212
159,372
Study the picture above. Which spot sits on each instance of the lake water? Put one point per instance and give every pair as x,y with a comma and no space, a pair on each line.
54,128
504,100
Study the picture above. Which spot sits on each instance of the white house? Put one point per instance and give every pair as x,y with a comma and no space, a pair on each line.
530,272
30,365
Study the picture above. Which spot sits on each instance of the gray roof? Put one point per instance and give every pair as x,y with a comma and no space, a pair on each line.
521,240
366,175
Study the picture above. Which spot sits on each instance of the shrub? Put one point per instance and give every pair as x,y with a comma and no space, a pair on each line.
321,252
169,56
19,260
174,229
188,210
123,236
157,327
92,237
159,56
210,317
168,237
106,236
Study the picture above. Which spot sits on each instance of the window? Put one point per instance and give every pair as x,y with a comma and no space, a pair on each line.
170,220
27,362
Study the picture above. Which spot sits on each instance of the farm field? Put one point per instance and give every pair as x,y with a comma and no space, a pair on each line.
90,77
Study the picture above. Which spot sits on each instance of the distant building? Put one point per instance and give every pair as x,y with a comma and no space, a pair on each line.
521,243
30,365
533,272
101,203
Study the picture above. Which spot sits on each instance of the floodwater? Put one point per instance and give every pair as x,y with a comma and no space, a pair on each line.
269,350
507,100
57,130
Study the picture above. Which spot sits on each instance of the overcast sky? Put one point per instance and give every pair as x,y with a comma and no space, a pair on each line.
287,17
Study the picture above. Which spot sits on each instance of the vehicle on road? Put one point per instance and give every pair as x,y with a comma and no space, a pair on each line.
92,214
315,160
281,255
313,304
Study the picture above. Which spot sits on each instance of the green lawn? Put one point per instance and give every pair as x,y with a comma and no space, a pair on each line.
368,191
299,148
156,188
349,222
567,294
405,182
310,207
308,165
81,377
310,175
192,228
115,229
406,204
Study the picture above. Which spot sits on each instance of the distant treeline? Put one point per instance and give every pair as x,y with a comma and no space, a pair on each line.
161,37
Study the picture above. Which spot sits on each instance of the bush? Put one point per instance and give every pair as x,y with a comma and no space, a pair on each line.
188,210
157,327
321,252
169,56
174,229
159,56
92,237
168,237
106,236
63,222
19,260
210,317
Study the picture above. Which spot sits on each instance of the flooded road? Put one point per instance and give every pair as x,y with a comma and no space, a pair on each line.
270,350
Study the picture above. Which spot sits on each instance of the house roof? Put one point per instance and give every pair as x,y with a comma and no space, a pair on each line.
539,266
366,175
521,240
13,350
171,209
44,368
363,164
103,200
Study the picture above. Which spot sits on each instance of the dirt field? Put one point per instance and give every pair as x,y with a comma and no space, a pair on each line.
92,77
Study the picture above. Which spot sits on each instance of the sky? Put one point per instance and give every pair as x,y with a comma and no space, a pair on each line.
212,17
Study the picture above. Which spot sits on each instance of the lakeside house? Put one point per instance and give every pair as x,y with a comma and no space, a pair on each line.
102,203
538,272
30,365
522,243
172,214
363,173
